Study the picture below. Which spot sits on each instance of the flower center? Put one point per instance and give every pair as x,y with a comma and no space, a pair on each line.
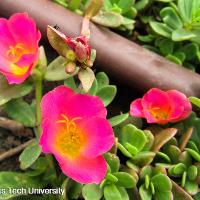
14,53
70,140
158,113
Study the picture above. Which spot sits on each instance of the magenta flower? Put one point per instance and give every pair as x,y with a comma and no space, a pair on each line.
76,132
161,107
19,39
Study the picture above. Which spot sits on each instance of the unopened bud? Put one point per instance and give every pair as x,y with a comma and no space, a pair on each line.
81,52
71,55
70,68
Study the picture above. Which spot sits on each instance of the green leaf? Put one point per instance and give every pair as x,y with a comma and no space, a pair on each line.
114,121
111,178
87,78
125,180
166,46
140,5
136,137
150,140
185,9
125,5
74,189
123,150
63,186
113,162
163,156
17,180
94,88
70,82
182,34
146,38
111,192
190,50
161,183
29,155
144,193
174,59
56,70
8,92
191,187
107,94
21,111
143,158
179,168
161,29
92,192
102,79
123,193
38,167
194,154
171,18
108,19
192,172
195,101
164,195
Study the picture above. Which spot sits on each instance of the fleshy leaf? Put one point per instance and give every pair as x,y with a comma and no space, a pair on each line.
107,94
21,111
125,180
92,192
56,70
8,92
161,138
116,120
87,77
29,155
109,19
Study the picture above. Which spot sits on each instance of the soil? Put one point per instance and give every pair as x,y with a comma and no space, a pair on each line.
8,141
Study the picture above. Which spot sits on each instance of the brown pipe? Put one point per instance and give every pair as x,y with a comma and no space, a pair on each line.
125,60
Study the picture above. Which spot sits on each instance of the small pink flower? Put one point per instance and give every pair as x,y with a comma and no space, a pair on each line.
76,132
161,107
19,39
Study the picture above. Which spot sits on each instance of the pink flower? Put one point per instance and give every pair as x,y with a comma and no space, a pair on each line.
19,39
76,132
161,107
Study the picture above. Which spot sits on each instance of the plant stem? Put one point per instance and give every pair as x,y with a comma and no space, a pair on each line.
38,95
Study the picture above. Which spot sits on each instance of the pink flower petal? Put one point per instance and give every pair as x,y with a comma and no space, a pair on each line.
83,105
155,99
99,135
181,107
136,108
27,59
84,170
55,102
24,30
18,79
6,38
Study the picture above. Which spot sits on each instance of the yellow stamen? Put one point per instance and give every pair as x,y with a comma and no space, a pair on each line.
70,140
15,52
158,113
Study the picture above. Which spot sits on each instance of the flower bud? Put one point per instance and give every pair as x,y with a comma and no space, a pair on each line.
70,68
81,52
71,55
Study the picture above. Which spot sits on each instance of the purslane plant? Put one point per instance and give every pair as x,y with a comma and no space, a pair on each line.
97,158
